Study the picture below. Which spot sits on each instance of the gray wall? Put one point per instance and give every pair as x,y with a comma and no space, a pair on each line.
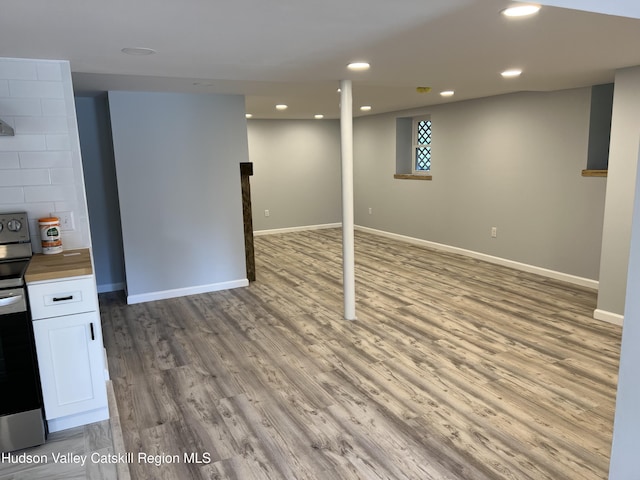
177,164
296,172
623,165
626,431
512,161
102,191
600,126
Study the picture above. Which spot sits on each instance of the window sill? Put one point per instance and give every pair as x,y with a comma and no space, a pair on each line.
594,173
409,176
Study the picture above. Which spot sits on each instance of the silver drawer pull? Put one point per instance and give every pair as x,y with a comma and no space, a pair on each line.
62,299
10,300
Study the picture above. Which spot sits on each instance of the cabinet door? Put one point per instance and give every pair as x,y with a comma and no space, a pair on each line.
71,364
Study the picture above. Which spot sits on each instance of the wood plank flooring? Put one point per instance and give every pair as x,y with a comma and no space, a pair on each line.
51,465
454,369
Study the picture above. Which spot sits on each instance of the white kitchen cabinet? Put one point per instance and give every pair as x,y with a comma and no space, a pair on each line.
68,337
70,361
63,297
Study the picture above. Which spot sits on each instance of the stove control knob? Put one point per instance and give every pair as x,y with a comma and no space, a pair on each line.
14,225
1,226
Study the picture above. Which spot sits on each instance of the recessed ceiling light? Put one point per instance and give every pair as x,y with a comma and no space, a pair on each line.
281,107
318,116
248,115
138,51
447,93
520,10
511,73
365,108
358,66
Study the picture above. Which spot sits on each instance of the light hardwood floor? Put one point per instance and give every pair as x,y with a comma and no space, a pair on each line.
454,369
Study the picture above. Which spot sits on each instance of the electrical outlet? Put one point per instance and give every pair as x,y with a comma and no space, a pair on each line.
370,210
266,213
494,232
66,221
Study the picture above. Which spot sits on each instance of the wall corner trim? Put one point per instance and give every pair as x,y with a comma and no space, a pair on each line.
182,292
608,317
565,277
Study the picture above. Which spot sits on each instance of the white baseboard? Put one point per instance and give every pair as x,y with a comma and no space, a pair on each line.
608,317
77,420
258,233
565,277
181,292
110,287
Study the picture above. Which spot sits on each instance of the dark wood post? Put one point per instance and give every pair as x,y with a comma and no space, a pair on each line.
246,170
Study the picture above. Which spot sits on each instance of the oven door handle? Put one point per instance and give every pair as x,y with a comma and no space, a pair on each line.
10,300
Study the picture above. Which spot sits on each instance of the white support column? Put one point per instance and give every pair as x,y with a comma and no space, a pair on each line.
348,256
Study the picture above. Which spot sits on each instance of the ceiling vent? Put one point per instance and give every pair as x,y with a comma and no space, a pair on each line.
5,130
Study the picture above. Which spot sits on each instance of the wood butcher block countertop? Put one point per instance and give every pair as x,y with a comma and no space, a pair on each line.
69,263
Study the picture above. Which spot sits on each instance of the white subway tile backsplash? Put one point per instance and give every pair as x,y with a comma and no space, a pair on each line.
9,160
11,69
40,125
40,167
20,106
10,178
45,159
58,142
63,206
11,195
49,71
48,193
23,143
71,240
35,211
35,89
62,176
53,107
36,176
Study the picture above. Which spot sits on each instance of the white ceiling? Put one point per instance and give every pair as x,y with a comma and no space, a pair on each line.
624,8
296,51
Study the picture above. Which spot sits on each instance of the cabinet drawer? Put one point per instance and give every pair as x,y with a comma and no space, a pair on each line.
53,299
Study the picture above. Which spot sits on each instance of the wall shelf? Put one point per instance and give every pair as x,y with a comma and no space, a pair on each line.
594,173
408,176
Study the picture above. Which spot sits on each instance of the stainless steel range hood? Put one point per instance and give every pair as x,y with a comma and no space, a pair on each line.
5,130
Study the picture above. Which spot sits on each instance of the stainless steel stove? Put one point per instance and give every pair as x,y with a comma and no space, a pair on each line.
21,413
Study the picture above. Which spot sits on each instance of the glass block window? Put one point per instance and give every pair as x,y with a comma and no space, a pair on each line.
422,135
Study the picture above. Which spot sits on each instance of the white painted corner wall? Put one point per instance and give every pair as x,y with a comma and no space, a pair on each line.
624,463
